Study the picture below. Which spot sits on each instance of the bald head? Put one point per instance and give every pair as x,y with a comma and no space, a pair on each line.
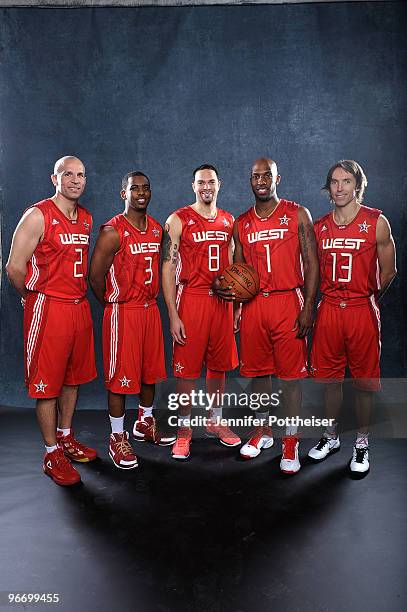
61,163
69,178
266,162
264,179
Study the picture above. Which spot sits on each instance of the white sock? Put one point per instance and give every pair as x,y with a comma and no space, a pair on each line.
65,432
117,424
215,413
291,430
147,412
362,439
50,449
184,420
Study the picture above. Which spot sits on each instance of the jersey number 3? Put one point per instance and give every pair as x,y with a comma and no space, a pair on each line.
341,269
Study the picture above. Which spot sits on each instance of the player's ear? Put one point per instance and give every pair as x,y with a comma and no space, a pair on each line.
123,194
278,179
219,183
54,179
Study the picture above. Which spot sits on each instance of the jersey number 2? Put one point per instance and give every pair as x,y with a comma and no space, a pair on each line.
77,263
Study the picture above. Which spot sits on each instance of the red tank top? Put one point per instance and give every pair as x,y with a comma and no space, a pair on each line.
134,273
59,264
272,247
348,255
204,247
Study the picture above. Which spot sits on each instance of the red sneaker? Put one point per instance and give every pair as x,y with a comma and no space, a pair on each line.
260,438
121,452
74,449
290,463
180,450
60,469
145,430
225,435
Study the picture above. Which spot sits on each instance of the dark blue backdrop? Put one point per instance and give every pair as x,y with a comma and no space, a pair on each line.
166,89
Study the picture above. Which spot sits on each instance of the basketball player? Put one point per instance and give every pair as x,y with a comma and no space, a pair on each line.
276,237
357,264
124,275
197,246
48,267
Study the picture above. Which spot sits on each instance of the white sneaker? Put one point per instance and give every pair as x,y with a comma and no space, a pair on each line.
359,464
261,438
290,462
326,446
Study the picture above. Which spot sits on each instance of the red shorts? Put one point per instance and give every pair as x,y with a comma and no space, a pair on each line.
267,341
133,346
58,340
347,332
210,340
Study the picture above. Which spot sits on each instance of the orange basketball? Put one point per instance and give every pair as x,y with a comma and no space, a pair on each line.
243,280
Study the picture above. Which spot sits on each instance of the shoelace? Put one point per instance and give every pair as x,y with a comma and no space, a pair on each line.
61,460
124,446
322,443
360,453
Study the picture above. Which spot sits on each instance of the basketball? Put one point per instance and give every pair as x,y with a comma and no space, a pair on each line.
243,280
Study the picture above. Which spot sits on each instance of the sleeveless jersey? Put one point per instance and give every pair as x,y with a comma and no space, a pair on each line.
204,247
134,273
272,247
348,261
59,264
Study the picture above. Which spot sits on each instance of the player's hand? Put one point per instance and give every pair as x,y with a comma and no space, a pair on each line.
236,318
177,330
226,293
304,323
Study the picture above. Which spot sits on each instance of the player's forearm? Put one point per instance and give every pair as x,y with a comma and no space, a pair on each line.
386,279
169,288
98,287
16,277
311,282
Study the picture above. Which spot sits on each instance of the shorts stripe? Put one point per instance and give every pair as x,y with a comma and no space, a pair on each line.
34,329
179,294
114,335
115,292
300,297
34,275
379,326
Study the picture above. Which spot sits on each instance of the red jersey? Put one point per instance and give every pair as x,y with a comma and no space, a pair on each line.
204,247
59,264
134,273
348,261
272,247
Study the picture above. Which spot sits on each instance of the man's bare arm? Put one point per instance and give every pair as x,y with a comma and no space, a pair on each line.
306,236
170,248
27,235
107,245
386,254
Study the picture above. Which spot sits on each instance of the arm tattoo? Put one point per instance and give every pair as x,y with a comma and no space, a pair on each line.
307,240
303,240
166,246
174,254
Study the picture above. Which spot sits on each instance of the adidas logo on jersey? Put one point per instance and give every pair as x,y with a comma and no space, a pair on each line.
126,233
55,222
191,222
324,228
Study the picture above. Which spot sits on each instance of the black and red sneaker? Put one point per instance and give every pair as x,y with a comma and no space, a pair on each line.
145,430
